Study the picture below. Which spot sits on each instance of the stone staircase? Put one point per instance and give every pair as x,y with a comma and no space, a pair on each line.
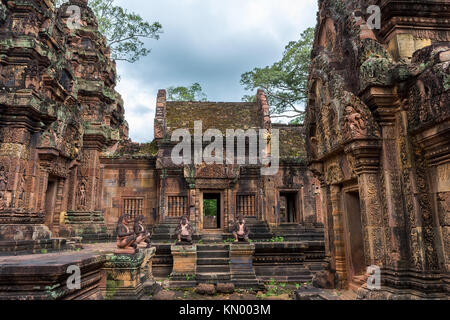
90,226
297,232
213,263
259,230
212,237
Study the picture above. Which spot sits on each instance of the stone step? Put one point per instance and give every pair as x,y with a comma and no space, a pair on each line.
287,279
213,247
212,254
250,284
215,277
213,261
213,269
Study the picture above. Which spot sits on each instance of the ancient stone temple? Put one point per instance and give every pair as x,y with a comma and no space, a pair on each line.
68,172
287,197
360,190
58,112
377,128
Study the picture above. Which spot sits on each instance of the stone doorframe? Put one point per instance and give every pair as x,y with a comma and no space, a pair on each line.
222,194
300,208
349,233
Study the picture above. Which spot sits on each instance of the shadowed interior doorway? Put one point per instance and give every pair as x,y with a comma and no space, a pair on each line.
211,211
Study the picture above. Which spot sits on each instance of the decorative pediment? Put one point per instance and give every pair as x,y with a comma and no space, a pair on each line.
211,176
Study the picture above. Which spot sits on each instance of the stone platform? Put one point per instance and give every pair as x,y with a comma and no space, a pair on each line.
184,266
44,277
103,274
128,276
20,239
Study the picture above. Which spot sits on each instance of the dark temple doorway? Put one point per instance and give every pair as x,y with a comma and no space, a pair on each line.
211,211
288,207
354,238
50,200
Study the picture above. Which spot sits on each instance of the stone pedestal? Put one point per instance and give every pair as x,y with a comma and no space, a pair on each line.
241,266
90,226
28,239
127,276
184,266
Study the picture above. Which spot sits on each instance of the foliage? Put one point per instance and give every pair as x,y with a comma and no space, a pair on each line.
190,277
124,31
192,93
285,82
210,207
277,239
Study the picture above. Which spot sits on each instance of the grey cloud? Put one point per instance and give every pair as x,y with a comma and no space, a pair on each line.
212,43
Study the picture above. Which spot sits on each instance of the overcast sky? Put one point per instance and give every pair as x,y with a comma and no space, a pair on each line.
207,41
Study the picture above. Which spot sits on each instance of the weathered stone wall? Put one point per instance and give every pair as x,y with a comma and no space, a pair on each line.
128,179
59,111
377,139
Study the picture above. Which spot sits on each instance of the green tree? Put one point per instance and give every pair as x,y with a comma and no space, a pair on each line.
192,93
285,82
124,31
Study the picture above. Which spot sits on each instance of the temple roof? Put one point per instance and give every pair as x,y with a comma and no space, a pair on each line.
214,115
292,141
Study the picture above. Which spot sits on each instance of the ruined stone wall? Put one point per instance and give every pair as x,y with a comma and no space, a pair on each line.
59,110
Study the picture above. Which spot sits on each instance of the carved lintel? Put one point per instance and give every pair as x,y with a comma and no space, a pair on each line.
367,155
384,102
436,143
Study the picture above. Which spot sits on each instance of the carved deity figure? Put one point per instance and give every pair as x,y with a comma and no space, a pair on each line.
241,231
82,195
184,232
355,125
141,232
21,187
3,186
3,179
125,238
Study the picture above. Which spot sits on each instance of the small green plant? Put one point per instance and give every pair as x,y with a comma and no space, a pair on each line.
277,239
229,240
43,251
200,241
190,277
297,286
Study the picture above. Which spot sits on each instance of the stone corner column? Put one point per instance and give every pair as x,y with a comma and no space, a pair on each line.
241,266
128,276
184,266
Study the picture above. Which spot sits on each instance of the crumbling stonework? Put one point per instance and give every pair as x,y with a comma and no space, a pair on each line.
377,129
58,110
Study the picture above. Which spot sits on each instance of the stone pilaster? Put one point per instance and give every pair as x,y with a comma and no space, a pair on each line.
127,275
367,158
338,235
241,266
184,266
